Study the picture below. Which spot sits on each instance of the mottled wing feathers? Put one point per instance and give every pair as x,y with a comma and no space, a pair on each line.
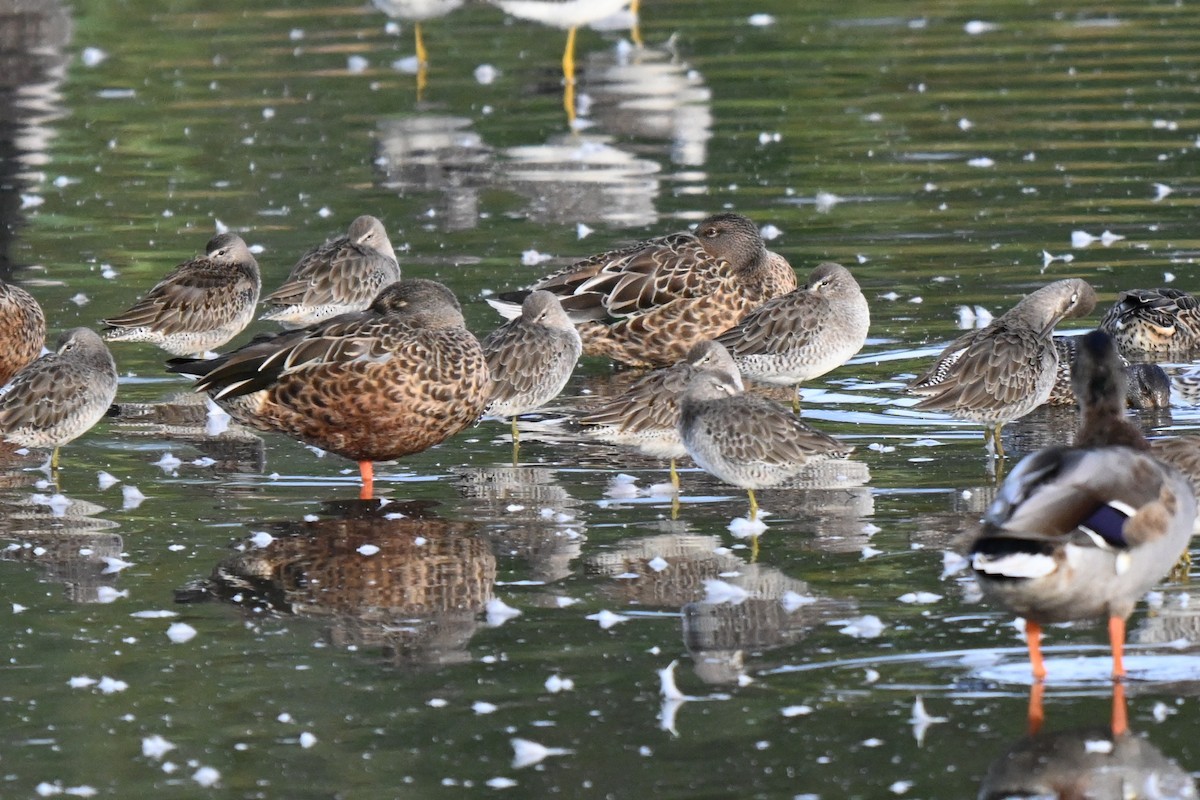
772,327
519,355
338,273
194,296
650,404
998,371
43,394
767,433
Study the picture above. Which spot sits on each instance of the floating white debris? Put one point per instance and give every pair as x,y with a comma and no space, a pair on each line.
368,549
920,598
168,463
47,789
1081,239
769,137
658,564
582,231
665,489
500,783
81,682
132,497
900,787
1168,277
622,486
978,26
824,202
770,232
717,592
921,720
953,563
498,612
607,619
761,20
870,552
531,258
307,740
17,608
1104,746
409,65
92,56
526,753
1161,190
1162,711
156,746
203,461
486,74
180,632
32,200
556,683
865,627
80,299
796,711
107,594
357,64
324,212
261,539
158,613
791,601
109,685
743,528
890,296
482,707
1109,238
107,272
285,718
206,777
666,683
563,602
982,162
311,518
965,124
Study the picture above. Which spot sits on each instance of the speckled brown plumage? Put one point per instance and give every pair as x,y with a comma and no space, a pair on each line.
22,330
200,305
1002,372
377,385
646,305
61,395
1148,386
1154,323
338,277
1083,532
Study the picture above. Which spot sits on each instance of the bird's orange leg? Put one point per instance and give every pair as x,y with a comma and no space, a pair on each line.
1116,638
1033,638
367,470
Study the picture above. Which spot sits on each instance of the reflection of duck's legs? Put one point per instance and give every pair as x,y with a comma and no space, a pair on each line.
1033,639
366,470
1120,717
1037,714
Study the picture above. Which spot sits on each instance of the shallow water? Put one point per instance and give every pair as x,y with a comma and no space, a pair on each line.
942,155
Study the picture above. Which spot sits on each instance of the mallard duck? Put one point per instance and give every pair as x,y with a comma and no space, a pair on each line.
803,334
1154,323
22,330
745,440
376,385
343,275
646,415
646,305
1082,532
60,396
199,306
1002,372
530,358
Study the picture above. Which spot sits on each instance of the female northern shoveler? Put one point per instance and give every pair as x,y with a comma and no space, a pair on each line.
343,275
646,305
396,379
200,305
22,330
1154,323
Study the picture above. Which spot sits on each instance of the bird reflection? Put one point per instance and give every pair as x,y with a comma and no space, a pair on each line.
416,12
436,153
728,607
410,587
1085,763
528,514
189,419
68,539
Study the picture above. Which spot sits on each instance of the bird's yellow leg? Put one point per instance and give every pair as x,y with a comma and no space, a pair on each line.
753,505
635,33
674,476
54,460
998,441
422,54
568,62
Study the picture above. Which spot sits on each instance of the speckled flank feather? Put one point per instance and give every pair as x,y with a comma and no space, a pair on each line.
1154,323
531,358
746,440
339,277
199,306
1148,386
803,334
61,395
646,305
393,380
1002,372
646,416
1083,532
22,330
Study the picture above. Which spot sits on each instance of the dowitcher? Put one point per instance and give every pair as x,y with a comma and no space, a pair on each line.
646,415
200,305
22,330
530,358
647,304
342,275
1082,532
1147,385
1154,323
1002,372
376,385
745,440
803,334
60,396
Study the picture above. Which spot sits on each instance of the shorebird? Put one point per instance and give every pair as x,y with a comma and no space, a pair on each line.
60,396
199,306
1002,372
338,277
646,305
803,334
393,380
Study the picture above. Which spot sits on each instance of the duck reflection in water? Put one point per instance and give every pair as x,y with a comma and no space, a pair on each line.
411,587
